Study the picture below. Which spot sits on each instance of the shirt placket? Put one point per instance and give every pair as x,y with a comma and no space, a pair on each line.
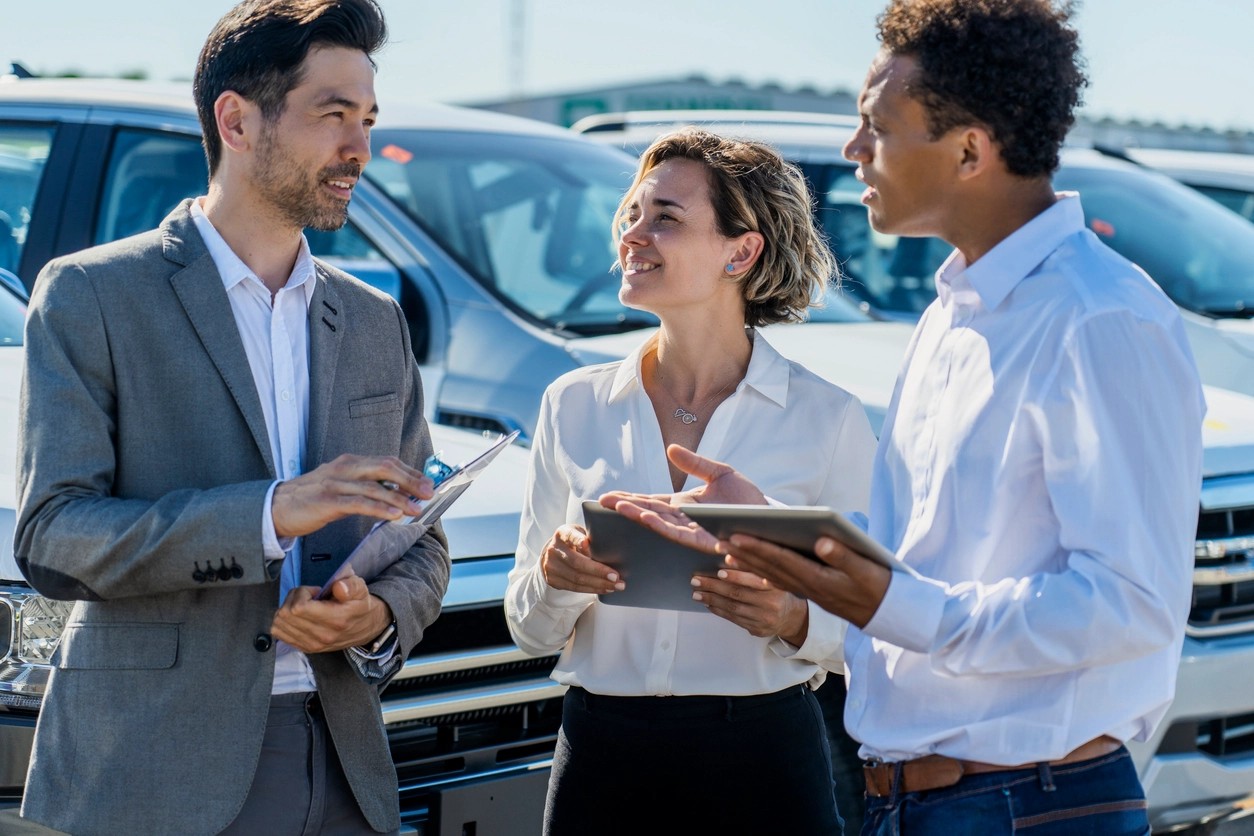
286,392
933,396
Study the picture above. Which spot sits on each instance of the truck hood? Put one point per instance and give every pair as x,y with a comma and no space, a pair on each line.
482,522
1227,433
1224,349
865,357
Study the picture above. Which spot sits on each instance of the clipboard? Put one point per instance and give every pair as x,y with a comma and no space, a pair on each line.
796,527
657,571
384,544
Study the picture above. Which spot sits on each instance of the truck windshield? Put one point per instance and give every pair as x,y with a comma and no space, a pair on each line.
528,217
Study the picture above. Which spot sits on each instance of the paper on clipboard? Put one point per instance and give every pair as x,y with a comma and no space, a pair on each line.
384,544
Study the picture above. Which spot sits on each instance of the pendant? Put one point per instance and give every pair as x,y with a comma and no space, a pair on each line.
685,416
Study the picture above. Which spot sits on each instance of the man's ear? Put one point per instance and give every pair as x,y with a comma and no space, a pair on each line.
977,151
236,119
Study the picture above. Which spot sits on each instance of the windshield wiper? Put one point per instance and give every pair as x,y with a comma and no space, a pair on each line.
1240,310
599,327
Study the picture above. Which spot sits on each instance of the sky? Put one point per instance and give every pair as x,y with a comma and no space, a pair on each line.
1178,62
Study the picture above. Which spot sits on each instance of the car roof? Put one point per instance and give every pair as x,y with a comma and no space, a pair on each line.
176,98
799,136
1202,168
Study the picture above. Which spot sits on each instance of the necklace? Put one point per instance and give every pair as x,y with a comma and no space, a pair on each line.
689,417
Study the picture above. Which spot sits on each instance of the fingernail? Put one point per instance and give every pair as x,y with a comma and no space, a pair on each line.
696,596
620,586
722,574
611,577
695,581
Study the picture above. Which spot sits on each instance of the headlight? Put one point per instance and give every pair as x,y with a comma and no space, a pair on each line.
30,630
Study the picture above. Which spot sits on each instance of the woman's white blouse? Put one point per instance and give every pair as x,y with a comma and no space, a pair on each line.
801,439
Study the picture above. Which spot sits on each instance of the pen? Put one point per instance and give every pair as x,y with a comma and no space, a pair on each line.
378,643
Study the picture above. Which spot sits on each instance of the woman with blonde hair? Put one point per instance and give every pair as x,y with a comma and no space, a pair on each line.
706,721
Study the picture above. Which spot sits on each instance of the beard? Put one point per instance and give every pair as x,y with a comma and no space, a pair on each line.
298,199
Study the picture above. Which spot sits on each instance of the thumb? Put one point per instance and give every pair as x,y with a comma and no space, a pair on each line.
694,464
349,588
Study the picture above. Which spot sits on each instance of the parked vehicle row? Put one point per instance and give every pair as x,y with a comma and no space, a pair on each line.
493,233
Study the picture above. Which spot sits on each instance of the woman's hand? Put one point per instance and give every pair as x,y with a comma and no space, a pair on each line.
567,564
751,602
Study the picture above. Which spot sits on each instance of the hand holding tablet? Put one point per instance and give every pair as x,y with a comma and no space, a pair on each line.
796,527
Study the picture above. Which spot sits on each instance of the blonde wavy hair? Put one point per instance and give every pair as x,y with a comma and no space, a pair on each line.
754,189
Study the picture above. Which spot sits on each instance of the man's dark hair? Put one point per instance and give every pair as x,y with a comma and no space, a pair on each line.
1013,66
257,49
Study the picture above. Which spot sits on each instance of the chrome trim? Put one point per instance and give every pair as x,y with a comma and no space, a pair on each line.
462,660
471,699
1236,628
1220,575
444,783
1215,547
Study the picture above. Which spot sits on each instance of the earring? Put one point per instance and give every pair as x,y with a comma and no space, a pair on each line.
730,268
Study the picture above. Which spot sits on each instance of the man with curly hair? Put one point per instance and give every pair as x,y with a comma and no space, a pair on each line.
1038,470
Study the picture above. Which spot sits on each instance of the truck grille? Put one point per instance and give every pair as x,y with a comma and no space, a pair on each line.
1218,737
470,703
1223,574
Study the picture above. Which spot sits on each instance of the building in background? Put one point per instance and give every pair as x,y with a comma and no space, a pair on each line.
698,93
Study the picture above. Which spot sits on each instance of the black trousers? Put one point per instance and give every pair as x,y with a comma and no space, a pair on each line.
685,765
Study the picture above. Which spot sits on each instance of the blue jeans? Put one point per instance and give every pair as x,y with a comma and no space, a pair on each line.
1102,797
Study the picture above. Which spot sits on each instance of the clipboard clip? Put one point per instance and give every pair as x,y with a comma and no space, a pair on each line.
434,468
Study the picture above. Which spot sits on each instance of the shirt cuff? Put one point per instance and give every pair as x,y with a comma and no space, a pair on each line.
377,666
825,640
910,614
273,547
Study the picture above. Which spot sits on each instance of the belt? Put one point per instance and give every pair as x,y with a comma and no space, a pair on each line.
933,772
674,708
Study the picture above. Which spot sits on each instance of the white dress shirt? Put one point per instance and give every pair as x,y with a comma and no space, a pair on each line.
800,438
276,340
1039,466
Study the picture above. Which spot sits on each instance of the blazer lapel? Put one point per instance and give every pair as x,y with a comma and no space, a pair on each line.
326,330
199,288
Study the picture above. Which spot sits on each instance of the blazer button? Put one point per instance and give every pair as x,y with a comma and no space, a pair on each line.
263,642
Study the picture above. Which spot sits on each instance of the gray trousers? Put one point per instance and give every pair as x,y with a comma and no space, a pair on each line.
299,788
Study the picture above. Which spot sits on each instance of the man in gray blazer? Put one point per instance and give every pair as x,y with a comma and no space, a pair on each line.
206,416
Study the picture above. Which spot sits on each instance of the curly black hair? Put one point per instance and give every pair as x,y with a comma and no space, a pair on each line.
1013,66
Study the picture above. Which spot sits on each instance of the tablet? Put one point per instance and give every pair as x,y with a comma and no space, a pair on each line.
387,540
657,571
796,527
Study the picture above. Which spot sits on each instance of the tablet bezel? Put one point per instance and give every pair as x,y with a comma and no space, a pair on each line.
796,527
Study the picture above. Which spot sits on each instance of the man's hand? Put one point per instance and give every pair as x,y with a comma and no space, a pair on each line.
349,617
844,583
663,512
346,486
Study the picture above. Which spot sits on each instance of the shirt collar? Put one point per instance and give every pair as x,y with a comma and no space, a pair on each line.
991,279
232,270
767,372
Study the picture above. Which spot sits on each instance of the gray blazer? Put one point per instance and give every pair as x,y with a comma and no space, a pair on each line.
143,458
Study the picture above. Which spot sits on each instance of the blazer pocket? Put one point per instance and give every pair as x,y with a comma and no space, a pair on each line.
118,646
376,405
